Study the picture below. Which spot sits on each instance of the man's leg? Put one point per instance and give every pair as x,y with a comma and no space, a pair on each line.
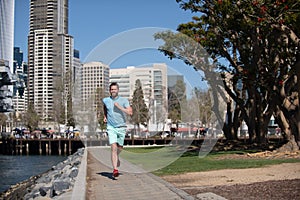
120,142
112,135
120,148
114,155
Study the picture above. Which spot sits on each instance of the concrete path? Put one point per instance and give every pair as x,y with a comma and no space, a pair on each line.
95,182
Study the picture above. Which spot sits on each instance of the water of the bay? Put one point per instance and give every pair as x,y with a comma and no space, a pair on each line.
15,169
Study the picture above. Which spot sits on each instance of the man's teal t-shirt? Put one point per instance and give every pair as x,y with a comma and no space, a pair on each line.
115,117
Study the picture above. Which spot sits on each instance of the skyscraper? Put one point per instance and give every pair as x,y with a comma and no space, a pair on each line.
18,58
50,58
20,87
6,54
7,9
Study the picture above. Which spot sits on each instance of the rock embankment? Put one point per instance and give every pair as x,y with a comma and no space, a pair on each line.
55,182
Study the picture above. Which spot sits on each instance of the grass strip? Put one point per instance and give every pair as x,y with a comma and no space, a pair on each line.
191,162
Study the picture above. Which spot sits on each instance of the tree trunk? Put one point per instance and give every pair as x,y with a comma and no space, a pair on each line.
251,123
262,128
252,112
291,145
297,103
228,125
236,122
297,134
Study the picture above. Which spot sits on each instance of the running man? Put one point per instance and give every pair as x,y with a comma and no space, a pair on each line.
115,110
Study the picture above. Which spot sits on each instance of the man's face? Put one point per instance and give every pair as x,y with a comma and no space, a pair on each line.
114,91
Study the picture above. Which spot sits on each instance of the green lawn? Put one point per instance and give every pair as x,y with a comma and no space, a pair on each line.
191,162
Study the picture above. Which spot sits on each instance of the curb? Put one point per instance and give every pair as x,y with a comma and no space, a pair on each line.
179,192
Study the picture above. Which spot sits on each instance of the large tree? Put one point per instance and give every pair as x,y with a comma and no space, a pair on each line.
176,98
100,94
204,101
258,42
139,108
31,118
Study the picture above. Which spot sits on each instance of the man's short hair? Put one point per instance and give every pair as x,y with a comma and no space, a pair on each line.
113,84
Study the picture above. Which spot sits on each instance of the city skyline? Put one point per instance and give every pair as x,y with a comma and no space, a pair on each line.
92,22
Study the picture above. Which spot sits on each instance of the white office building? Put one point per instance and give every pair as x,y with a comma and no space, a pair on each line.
20,102
154,84
95,76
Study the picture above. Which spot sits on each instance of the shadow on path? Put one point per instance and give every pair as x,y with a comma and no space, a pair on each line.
108,175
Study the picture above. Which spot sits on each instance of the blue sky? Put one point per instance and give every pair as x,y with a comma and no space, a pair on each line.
92,22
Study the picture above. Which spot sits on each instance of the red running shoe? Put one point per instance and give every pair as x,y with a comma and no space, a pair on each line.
115,173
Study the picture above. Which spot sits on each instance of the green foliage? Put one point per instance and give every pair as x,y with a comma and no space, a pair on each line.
176,99
71,121
255,46
31,118
139,108
70,117
205,105
100,94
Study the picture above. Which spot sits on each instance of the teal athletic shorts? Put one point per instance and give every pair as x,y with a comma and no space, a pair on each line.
116,135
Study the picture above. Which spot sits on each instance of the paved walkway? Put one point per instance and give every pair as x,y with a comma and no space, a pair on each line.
95,181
